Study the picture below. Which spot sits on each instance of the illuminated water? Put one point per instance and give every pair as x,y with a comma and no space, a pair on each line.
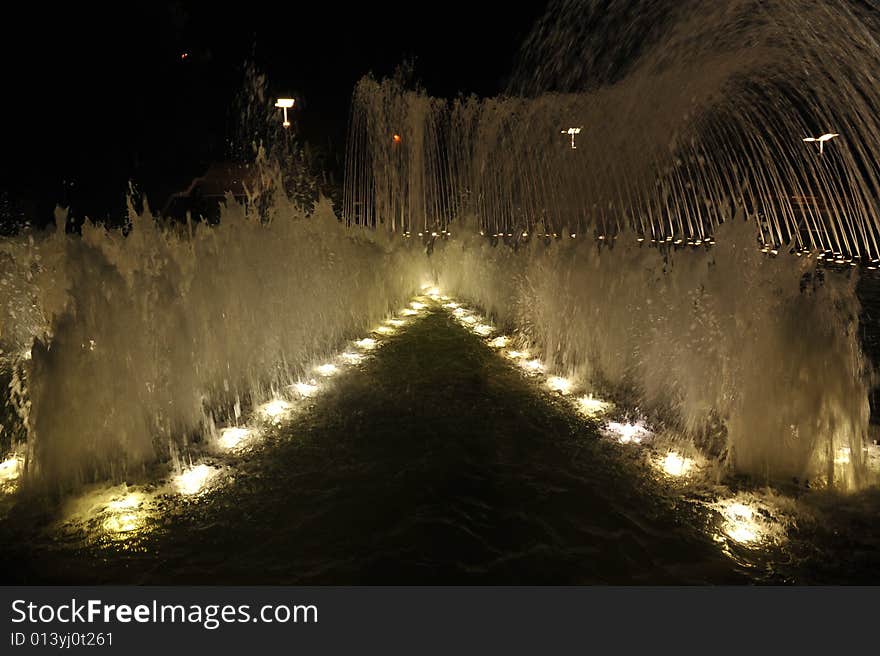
671,257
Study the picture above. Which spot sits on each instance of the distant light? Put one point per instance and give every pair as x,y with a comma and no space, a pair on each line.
825,137
184,55
231,437
572,132
396,138
559,384
194,480
285,104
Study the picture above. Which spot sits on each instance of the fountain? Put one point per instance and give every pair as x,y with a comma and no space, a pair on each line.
678,253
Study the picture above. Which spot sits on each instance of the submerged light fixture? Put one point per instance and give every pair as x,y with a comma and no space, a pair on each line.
285,104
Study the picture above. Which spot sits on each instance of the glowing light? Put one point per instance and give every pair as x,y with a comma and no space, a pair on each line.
433,291
500,341
825,137
396,138
275,408
367,343
534,365
122,523
408,312
305,390
842,457
233,436
415,305
517,355
10,469
676,465
451,305
628,433
194,480
459,312
384,330
327,370
559,384
351,358
484,330
396,322
572,132
740,525
592,407
284,104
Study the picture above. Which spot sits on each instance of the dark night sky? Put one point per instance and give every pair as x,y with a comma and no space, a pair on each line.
95,96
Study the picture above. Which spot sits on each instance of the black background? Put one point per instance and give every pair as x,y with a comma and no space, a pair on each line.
97,95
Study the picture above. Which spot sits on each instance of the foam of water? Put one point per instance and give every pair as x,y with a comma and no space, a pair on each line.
724,346
141,342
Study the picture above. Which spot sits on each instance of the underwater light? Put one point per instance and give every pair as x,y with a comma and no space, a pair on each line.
327,370
232,436
9,469
194,480
274,408
842,457
351,358
305,390
740,525
592,407
559,384
534,365
675,464
628,433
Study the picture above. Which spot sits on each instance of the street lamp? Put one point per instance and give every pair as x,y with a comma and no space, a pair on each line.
572,132
825,137
285,104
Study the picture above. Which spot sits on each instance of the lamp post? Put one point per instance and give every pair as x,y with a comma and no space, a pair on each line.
572,132
285,104
825,137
